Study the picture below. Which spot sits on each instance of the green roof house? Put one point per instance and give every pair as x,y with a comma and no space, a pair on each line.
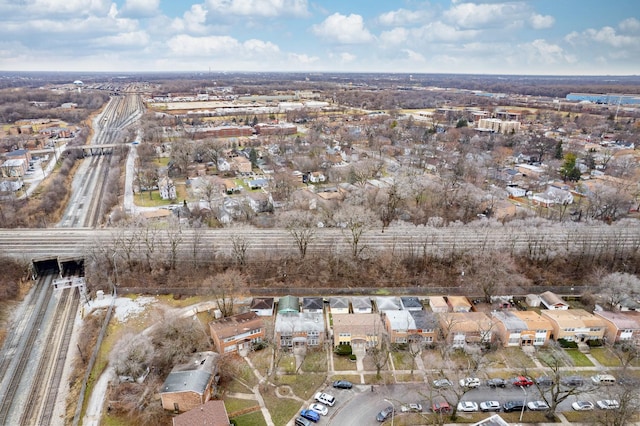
288,305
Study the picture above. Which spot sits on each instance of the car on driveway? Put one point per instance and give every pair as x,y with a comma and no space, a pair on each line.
470,382
486,406
319,408
537,406
608,404
467,406
342,384
522,381
325,398
301,421
496,383
442,383
582,406
415,408
385,414
441,407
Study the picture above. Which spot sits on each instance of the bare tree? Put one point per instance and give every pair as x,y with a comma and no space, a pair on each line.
379,354
240,247
225,287
355,222
618,286
302,227
132,355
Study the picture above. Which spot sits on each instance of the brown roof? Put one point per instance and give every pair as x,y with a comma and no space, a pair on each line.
236,324
211,413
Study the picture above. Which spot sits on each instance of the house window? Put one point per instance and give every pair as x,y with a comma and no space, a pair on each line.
286,341
312,341
539,340
313,334
514,340
569,329
428,339
596,329
401,340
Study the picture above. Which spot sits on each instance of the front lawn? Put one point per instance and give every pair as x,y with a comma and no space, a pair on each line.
579,359
251,419
281,409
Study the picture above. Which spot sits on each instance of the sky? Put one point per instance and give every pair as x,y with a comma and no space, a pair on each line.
541,37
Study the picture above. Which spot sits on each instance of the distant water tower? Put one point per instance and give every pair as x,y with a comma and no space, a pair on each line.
78,84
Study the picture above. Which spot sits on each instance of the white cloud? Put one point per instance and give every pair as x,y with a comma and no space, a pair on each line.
402,17
141,8
343,29
63,7
470,15
631,25
269,8
346,57
394,37
130,39
608,35
192,21
186,45
413,55
540,52
541,22
303,58
441,32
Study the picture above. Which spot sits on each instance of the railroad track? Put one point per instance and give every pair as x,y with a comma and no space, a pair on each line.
42,396
13,380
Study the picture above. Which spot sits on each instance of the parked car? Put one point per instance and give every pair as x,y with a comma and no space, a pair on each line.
608,404
496,383
582,406
441,407
319,408
301,421
310,415
545,381
416,408
470,382
510,406
442,383
325,398
573,381
385,414
537,406
342,384
603,379
467,406
486,406
522,381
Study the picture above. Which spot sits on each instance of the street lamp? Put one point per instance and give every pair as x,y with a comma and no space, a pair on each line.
393,410
525,402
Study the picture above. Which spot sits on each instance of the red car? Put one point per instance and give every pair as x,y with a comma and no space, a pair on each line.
522,381
441,407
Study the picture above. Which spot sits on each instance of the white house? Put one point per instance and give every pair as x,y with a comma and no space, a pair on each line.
553,196
167,188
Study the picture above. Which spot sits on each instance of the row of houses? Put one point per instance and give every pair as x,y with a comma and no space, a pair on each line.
364,321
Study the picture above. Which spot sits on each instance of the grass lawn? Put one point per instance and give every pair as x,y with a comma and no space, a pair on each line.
251,419
315,362
579,359
402,360
143,199
517,359
341,363
385,378
281,409
303,385
353,378
236,404
605,357
261,359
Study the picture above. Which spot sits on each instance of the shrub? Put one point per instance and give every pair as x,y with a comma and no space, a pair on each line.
567,344
343,350
593,343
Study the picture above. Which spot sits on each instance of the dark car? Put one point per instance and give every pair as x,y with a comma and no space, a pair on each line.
342,384
496,383
385,414
522,381
301,421
572,381
310,415
545,381
510,406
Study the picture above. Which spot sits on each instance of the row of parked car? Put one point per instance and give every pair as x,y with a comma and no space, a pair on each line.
523,381
321,406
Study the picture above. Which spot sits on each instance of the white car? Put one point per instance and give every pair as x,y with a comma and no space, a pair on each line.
537,406
417,408
490,406
319,408
582,406
467,406
608,404
325,398
470,382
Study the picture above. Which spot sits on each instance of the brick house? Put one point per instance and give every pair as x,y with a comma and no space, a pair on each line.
237,332
410,326
189,385
621,326
575,324
299,329
362,330
461,328
521,328
212,413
